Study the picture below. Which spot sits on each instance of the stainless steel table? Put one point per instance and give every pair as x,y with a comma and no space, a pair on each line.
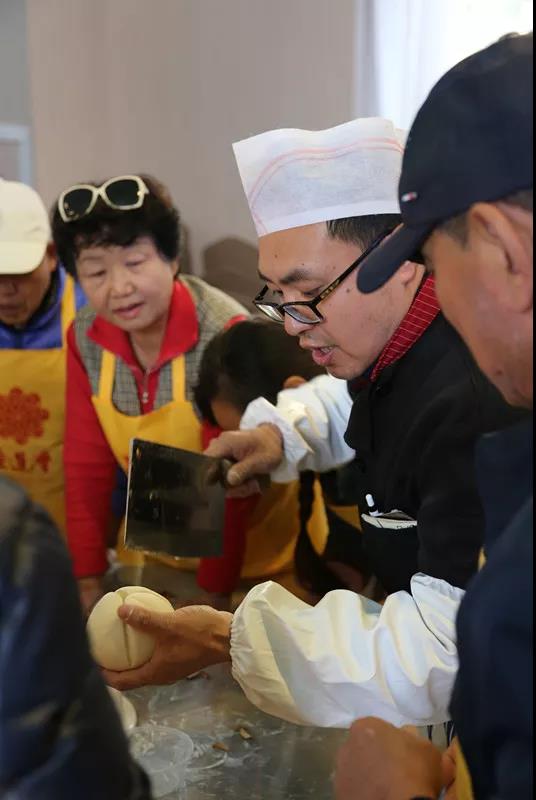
280,762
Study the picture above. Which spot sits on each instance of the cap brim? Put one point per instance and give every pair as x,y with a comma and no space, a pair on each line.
403,245
19,258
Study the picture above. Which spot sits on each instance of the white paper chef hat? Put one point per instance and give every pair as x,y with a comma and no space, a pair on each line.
293,177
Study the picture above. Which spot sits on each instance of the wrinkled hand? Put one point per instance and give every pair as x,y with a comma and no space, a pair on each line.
257,452
187,640
91,590
381,762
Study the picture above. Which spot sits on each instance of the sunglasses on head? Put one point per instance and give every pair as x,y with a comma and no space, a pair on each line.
125,193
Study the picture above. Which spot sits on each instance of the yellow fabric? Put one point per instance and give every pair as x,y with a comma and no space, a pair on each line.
464,788
32,417
274,527
174,425
349,514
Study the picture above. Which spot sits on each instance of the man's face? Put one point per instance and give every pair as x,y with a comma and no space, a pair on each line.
21,295
130,286
298,264
477,293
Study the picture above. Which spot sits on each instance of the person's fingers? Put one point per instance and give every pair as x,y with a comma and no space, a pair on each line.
225,446
448,766
246,489
129,678
247,469
143,619
412,730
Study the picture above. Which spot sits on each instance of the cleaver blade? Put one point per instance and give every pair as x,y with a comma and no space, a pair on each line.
175,501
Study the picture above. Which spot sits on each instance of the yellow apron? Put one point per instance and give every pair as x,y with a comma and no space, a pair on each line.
32,417
273,530
348,514
274,525
174,425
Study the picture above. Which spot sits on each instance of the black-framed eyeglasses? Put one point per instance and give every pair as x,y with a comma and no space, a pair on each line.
306,311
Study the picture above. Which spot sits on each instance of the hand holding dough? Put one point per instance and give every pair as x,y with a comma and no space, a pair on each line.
114,644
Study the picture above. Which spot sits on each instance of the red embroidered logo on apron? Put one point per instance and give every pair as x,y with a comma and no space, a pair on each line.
21,416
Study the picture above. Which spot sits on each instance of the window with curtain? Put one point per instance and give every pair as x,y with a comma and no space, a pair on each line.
402,47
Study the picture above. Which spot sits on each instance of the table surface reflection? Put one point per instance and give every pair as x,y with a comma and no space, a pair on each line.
280,762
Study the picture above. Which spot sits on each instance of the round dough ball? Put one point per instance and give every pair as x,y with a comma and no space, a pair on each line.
114,644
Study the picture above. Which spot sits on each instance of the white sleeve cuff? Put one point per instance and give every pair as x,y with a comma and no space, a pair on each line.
347,657
295,447
312,419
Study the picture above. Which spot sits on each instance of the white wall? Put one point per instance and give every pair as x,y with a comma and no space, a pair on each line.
166,86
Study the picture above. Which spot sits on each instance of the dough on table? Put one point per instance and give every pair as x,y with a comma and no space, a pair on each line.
114,644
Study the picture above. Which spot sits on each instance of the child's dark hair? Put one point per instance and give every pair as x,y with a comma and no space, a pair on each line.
251,359
157,218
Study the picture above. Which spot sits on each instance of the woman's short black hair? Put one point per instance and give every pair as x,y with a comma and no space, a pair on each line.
158,218
251,359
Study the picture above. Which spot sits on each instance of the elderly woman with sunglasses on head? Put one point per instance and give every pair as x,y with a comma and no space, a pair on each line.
133,354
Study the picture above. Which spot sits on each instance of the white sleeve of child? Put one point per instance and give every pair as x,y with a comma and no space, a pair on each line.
347,657
312,419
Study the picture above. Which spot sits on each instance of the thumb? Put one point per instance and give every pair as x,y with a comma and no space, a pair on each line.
143,619
246,469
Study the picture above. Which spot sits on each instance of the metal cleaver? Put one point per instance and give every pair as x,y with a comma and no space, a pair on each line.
176,501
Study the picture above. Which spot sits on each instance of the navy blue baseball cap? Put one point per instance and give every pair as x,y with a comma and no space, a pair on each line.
471,142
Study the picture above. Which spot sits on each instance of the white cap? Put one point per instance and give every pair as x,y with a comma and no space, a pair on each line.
24,228
294,178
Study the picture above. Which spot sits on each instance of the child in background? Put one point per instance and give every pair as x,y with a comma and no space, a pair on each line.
283,533
133,355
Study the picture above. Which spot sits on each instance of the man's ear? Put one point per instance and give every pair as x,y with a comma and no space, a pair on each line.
503,246
409,272
176,267
51,255
293,381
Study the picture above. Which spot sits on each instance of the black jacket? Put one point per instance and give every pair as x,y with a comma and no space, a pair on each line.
60,736
414,431
492,703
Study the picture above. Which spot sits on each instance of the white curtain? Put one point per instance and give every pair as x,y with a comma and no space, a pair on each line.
402,47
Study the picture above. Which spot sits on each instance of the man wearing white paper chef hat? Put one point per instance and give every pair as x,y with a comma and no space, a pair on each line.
320,201
37,302
296,181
